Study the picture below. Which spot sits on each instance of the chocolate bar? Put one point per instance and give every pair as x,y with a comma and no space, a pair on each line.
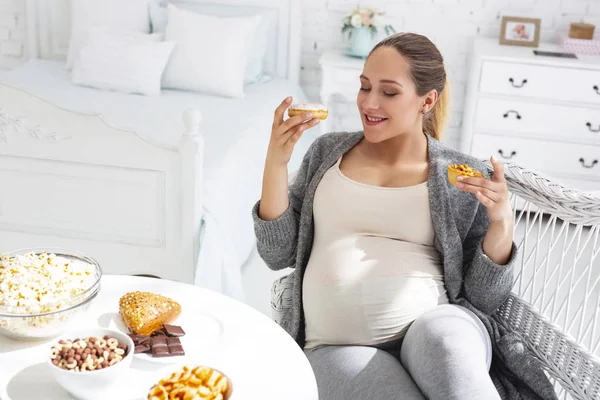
166,347
173,330
175,347
160,347
163,342
139,339
159,332
141,348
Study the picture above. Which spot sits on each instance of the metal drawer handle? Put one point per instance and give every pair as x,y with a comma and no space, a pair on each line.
512,154
589,125
506,114
597,89
584,165
512,82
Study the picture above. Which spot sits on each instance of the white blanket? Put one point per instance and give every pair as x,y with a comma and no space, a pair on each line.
236,134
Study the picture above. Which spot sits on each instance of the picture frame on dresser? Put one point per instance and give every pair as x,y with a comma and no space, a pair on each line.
520,31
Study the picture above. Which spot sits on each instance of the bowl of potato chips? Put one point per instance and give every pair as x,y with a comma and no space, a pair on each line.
199,382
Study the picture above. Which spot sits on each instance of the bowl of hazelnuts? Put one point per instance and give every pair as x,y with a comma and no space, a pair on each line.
86,362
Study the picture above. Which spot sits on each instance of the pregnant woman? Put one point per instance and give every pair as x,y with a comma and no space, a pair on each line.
396,270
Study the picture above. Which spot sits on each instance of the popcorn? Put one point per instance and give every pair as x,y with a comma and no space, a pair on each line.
40,283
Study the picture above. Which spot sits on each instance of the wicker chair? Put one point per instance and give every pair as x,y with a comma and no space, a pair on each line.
556,295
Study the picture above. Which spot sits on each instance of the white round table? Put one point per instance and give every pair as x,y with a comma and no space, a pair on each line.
260,358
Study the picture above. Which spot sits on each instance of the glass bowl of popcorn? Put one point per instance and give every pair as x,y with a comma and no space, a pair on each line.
43,290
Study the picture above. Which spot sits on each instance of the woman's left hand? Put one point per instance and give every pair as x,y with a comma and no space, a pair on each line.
491,193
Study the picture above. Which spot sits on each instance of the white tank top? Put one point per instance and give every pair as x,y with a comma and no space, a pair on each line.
372,269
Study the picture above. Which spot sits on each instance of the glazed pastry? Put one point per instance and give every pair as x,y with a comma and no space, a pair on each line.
145,312
456,170
319,111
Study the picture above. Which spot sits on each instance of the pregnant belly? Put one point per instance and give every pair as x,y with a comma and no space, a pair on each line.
366,290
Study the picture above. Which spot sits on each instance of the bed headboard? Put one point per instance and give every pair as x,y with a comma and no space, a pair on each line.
49,29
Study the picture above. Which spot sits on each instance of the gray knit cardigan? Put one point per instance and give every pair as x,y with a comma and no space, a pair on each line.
460,222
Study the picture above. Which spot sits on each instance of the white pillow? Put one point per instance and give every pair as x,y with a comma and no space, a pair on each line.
108,62
211,53
129,15
256,59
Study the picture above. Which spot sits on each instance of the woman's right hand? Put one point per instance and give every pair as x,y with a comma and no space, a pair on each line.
285,134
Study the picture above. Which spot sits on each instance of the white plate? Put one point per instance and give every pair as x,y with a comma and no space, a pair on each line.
202,333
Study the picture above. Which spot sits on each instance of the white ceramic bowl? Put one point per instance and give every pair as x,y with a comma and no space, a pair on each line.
88,385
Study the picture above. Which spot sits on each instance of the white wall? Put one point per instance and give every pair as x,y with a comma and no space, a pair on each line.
451,24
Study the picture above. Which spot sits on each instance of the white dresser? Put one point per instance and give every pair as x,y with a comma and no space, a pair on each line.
540,112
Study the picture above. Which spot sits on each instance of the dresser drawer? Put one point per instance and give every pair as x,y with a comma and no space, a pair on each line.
521,118
553,158
539,81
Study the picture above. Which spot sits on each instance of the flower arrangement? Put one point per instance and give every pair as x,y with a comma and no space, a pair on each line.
366,18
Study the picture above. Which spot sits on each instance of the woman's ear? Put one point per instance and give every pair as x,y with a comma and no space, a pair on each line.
429,100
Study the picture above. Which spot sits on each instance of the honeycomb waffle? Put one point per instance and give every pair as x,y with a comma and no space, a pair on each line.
456,170
145,312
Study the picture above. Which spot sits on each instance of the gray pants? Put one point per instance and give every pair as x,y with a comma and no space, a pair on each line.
445,354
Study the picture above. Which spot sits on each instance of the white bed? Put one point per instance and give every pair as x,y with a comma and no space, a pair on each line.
133,185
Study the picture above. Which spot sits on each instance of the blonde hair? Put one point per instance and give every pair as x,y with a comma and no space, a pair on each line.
427,72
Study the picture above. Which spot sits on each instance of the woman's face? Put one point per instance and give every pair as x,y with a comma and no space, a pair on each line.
387,99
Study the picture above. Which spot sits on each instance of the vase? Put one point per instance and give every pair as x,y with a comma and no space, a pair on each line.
362,42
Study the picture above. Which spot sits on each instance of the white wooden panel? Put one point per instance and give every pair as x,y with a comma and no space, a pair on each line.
32,127
98,189
85,201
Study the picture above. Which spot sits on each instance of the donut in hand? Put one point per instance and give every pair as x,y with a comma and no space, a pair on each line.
318,111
